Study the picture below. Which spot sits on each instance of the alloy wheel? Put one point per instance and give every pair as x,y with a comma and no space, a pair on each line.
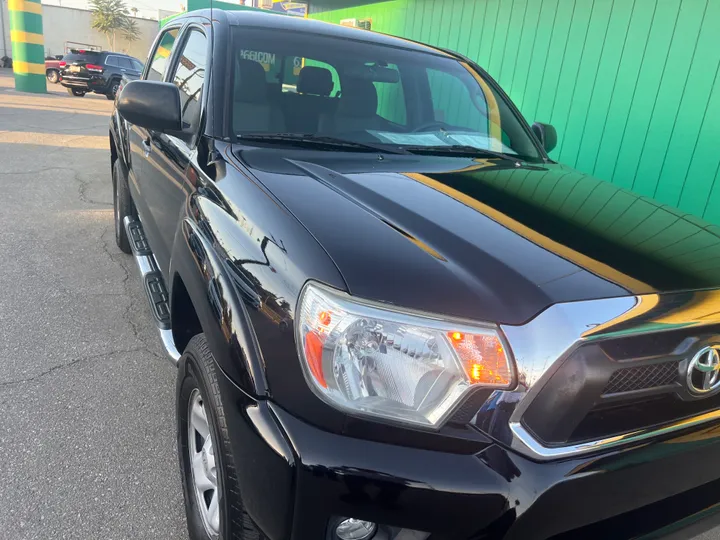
202,464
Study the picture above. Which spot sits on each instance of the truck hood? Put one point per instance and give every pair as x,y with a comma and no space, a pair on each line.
485,239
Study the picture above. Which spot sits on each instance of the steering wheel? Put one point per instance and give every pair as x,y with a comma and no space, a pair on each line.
427,125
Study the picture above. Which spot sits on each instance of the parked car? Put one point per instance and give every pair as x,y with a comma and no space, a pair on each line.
99,72
126,78
393,315
52,69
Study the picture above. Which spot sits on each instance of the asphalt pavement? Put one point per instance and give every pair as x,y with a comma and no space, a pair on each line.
87,423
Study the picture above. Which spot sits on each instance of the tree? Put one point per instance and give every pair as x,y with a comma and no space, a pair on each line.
111,16
130,30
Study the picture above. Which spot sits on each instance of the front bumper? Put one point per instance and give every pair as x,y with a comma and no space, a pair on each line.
295,479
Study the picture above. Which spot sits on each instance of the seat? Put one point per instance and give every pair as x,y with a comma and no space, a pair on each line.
252,109
356,110
314,80
303,109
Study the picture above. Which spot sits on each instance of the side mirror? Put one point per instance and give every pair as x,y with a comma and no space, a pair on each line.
546,134
152,105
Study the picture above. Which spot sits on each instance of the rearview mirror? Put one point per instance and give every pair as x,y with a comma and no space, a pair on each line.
152,105
373,73
546,134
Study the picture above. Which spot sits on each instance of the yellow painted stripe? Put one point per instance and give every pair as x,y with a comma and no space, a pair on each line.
493,110
596,267
29,67
25,5
26,37
163,52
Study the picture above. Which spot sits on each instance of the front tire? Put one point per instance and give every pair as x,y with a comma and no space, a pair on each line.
207,465
52,76
122,206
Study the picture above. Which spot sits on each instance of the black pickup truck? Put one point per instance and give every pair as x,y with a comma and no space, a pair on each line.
393,316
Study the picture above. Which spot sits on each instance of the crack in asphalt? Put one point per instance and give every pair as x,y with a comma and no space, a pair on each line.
5,384
131,307
82,188
126,316
83,185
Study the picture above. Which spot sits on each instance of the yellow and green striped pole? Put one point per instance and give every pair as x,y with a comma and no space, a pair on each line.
28,51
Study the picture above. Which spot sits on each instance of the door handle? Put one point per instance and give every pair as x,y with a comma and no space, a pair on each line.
146,146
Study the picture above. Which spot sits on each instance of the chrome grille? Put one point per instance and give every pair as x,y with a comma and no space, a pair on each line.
641,378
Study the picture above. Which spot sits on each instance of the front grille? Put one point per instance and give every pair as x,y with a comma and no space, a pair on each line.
592,396
642,412
641,378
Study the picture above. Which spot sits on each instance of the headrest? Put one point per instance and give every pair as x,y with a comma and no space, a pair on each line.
315,80
359,98
251,85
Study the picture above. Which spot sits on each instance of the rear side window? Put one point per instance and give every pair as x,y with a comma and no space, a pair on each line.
161,54
189,77
111,61
125,63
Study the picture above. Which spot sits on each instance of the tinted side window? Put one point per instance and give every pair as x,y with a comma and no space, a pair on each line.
111,61
189,77
160,55
125,63
137,66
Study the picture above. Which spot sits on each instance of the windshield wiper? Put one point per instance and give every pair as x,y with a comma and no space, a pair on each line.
459,149
320,140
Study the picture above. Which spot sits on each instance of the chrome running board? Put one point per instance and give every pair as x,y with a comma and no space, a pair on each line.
154,284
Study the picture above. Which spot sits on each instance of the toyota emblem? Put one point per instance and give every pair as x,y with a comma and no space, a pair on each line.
703,374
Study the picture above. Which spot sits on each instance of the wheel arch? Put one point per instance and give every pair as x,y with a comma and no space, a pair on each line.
202,299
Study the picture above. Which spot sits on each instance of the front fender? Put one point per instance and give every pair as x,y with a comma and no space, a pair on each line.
221,313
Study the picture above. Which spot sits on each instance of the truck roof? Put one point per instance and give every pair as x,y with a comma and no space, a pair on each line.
274,21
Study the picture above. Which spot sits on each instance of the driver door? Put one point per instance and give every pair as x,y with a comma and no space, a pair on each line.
163,182
139,138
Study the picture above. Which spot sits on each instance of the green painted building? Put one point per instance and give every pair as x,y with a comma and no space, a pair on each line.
631,85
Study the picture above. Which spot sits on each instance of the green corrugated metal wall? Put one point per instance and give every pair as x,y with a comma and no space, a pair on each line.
631,85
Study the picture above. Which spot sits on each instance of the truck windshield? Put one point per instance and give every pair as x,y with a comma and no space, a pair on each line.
365,92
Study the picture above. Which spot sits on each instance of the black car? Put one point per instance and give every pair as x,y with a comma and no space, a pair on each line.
393,315
99,72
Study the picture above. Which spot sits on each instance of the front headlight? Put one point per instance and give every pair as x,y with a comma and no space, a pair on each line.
371,360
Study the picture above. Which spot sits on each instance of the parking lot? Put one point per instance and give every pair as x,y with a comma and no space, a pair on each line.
87,427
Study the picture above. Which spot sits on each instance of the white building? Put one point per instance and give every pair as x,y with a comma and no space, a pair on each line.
64,26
